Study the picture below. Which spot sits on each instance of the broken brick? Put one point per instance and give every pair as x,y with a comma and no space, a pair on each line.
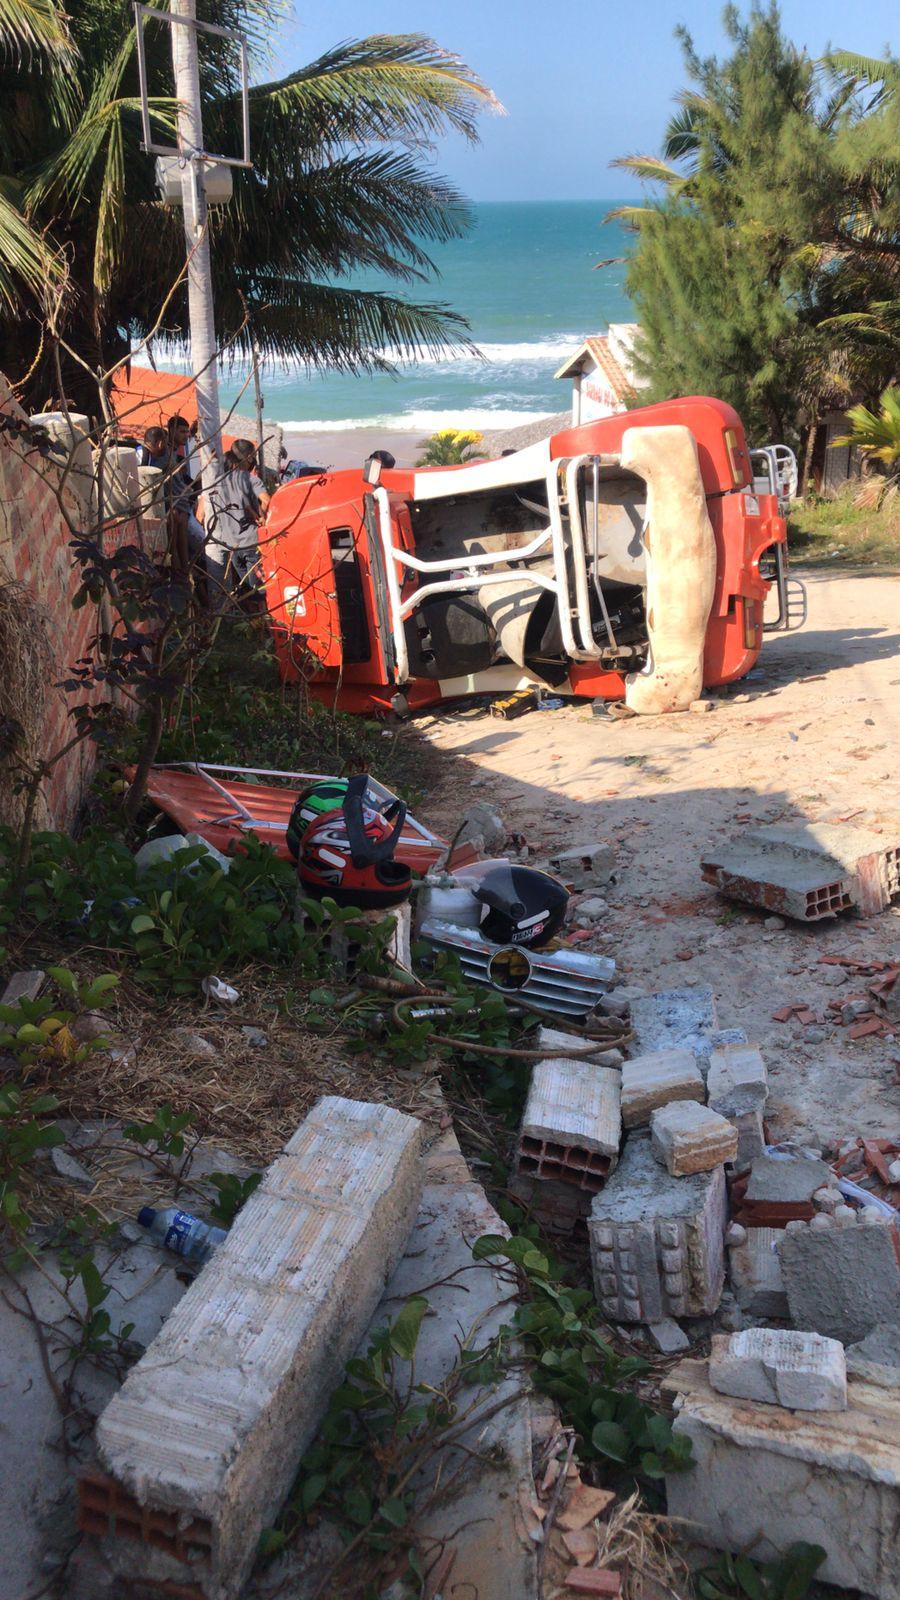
594,1580
582,1545
584,1504
862,1030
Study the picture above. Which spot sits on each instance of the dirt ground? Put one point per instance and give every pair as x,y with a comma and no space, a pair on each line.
813,734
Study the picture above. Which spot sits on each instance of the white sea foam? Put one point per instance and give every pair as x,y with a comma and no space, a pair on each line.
422,422
554,348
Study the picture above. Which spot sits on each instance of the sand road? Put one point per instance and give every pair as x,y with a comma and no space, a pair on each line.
815,734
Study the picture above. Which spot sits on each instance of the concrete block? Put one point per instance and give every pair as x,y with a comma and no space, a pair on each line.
842,1281
762,1479
572,1125
586,866
657,1242
876,1358
653,1080
688,1137
674,1019
737,1081
210,1425
780,1366
23,986
668,1336
751,1138
754,1268
554,1040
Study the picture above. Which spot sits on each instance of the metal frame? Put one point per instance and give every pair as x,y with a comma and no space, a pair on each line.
565,537
792,604
240,812
780,472
147,144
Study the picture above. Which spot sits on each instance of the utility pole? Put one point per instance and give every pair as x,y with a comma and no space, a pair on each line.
186,62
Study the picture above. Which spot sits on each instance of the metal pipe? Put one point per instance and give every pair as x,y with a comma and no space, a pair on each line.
455,563
596,557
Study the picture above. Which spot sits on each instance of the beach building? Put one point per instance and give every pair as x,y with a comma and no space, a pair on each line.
602,371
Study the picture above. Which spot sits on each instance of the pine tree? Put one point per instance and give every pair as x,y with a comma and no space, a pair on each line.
747,270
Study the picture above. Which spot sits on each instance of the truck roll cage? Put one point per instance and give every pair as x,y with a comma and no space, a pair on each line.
563,540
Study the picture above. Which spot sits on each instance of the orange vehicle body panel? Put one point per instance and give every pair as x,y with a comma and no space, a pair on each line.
225,811
301,584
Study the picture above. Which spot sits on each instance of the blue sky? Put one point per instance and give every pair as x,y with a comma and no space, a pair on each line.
582,81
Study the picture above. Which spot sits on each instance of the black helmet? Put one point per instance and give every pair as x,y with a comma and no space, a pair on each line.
519,905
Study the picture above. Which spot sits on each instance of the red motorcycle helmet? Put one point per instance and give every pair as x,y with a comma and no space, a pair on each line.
349,853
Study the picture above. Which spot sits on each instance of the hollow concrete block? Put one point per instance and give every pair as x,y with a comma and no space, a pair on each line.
572,1123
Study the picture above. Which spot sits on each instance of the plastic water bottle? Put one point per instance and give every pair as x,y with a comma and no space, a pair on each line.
179,1231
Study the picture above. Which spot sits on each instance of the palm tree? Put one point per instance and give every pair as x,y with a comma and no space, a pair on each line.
876,435
449,447
337,186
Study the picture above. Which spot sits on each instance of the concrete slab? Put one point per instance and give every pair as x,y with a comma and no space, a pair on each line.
876,1358
842,1281
764,1478
211,1423
479,1522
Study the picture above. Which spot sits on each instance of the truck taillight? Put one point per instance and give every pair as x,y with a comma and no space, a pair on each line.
737,459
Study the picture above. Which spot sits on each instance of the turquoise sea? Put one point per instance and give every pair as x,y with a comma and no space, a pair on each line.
525,278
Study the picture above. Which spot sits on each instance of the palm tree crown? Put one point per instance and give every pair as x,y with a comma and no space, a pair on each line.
341,181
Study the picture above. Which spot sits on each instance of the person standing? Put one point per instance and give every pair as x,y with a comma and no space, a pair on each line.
239,505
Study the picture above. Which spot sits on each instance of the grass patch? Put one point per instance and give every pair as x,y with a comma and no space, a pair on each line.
824,531
237,709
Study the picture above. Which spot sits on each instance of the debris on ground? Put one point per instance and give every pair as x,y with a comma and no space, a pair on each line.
764,1478
808,872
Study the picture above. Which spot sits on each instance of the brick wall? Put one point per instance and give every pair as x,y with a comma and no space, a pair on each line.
37,575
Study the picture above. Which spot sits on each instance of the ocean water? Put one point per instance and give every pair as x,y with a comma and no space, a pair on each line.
526,279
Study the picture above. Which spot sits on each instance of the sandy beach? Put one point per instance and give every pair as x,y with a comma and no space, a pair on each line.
349,447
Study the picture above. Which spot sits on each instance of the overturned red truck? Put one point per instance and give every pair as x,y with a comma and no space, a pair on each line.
629,558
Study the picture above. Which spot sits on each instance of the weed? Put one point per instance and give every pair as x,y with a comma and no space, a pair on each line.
232,1193
379,1431
558,1329
739,1578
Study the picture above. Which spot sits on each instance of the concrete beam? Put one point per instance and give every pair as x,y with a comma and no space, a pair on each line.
209,1427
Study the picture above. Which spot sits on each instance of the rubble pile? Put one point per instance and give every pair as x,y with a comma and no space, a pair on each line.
697,1220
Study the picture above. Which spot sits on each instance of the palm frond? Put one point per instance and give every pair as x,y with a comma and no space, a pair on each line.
866,69
387,86
344,329
652,169
26,261
39,26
